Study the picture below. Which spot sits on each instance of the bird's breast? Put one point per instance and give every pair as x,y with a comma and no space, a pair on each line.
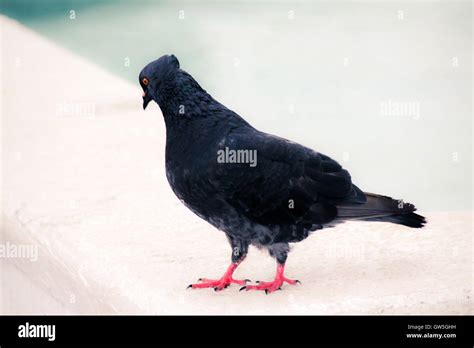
191,186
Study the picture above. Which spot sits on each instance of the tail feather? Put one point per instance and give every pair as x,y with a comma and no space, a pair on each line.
382,208
410,219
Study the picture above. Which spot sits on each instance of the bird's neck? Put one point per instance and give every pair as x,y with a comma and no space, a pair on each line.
185,105
185,99
190,113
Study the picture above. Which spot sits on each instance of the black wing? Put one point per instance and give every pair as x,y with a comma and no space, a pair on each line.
290,185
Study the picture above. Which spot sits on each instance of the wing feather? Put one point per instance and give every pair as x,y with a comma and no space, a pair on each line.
290,185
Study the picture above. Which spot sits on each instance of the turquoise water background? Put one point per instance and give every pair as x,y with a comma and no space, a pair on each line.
121,36
319,73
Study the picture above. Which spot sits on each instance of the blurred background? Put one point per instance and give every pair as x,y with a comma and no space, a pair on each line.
383,87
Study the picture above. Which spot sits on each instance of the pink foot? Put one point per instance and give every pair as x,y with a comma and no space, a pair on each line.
276,284
222,283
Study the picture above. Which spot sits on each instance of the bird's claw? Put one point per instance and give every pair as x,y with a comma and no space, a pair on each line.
218,288
217,284
270,287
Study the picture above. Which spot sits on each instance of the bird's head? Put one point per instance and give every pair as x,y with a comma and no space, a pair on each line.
157,78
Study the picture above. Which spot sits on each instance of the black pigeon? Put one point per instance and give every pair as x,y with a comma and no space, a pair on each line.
257,188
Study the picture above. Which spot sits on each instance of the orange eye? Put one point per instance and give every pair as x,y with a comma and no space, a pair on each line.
145,81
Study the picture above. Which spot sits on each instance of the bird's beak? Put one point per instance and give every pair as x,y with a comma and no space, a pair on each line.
146,100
